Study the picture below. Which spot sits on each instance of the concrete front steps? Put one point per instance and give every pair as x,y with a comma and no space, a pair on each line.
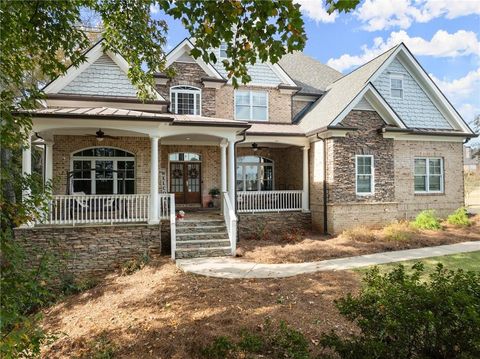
202,237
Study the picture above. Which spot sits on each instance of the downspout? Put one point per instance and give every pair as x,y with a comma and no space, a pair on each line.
325,196
244,134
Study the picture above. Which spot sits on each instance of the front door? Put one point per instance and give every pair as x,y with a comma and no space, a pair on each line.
185,182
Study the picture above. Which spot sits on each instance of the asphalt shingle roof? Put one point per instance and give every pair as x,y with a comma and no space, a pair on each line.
309,74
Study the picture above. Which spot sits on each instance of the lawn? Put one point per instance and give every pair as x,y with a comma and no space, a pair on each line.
466,261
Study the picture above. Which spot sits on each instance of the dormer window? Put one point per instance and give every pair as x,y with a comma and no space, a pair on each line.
223,50
396,86
185,100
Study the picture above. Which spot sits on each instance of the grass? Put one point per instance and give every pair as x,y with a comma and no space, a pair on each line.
466,261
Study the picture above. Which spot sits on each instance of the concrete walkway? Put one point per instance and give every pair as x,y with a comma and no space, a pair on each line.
234,268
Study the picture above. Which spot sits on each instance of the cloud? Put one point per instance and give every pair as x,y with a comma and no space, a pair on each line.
385,14
315,10
442,44
154,9
469,112
463,87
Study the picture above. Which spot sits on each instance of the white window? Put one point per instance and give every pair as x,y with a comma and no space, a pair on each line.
251,105
223,50
254,173
396,86
364,184
428,175
185,100
102,170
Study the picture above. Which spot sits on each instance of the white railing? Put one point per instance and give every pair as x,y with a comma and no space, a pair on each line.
173,218
93,209
164,200
230,221
269,201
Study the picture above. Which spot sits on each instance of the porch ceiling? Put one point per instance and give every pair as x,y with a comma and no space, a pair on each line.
90,131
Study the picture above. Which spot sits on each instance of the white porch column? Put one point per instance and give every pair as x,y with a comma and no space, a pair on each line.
305,195
153,217
223,165
48,161
27,163
231,171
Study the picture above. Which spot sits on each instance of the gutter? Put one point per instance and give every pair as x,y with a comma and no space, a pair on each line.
427,133
325,197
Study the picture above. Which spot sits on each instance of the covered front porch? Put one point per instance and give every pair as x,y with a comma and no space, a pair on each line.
116,173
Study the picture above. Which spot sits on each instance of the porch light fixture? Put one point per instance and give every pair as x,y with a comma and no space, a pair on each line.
100,135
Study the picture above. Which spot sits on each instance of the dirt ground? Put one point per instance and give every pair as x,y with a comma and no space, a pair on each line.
161,312
315,247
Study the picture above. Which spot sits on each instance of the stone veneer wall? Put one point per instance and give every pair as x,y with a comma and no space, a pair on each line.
210,165
91,250
191,74
275,224
364,141
288,163
65,145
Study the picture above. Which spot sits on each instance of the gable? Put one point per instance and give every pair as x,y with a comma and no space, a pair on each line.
363,105
415,108
102,78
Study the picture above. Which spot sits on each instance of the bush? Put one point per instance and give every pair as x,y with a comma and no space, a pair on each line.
401,316
459,218
134,265
360,234
279,341
398,232
427,220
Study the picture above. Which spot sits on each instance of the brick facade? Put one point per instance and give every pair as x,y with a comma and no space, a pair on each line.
91,250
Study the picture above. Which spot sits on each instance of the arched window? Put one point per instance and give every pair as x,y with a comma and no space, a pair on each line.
102,170
254,173
185,100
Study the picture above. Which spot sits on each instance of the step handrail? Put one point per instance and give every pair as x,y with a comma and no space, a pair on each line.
230,221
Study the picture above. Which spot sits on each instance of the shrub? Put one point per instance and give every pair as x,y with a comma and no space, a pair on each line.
427,220
295,234
134,265
401,316
398,232
459,218
360,234
280,341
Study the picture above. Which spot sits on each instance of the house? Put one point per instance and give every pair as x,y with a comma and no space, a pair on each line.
300,146
471,160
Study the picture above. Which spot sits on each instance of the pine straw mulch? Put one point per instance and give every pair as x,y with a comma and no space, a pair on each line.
161,312
315,247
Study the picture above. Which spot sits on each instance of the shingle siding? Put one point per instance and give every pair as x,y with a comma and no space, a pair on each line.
261,73
415,109
102,78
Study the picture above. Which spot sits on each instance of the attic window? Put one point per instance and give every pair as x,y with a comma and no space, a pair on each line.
396,86
223,50
185,100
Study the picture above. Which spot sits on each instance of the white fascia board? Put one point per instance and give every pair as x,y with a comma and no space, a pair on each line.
377,102
426,84
282,75
60,82
423,138
187,45
286,140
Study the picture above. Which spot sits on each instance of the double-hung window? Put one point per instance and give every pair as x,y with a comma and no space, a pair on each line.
364,183
428,175
251,105
223,50
396,86
185,100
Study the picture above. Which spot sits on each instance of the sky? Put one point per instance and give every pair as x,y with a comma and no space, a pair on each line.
444,35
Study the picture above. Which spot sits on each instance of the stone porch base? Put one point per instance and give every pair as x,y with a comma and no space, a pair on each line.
91,250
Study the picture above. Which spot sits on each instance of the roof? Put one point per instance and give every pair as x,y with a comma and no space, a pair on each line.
275,129
341,93
194,120
309,74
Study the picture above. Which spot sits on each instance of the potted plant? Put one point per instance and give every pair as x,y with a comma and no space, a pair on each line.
215,194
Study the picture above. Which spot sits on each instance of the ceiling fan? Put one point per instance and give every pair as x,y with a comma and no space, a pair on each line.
100,135
256,147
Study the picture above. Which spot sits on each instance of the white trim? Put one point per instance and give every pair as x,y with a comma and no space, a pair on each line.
250,105
277,69
426,84
372,176
427,175
92,55
193,90
415,137
187,45
378,103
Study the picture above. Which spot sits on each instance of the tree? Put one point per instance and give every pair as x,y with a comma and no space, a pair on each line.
40,39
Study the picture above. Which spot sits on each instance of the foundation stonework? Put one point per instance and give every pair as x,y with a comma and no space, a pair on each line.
91,250
275,224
